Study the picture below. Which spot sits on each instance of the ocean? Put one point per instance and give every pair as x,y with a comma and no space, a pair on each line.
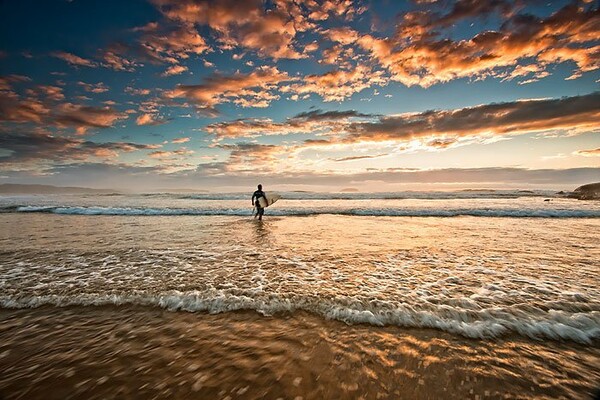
465,294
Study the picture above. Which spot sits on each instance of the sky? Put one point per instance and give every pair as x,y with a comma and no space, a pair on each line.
300,94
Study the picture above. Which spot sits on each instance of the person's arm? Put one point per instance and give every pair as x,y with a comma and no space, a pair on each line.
253,195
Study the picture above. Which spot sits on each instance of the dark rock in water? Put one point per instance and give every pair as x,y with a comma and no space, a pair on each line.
546,199
561,192
591,191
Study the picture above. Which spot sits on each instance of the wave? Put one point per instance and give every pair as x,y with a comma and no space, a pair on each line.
375,212
482,324
470,194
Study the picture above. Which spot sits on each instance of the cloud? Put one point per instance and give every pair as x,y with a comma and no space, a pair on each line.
171,45
74,60
355,158
174,70
137,92
114,59
320,115
85,117
270,29
419,55
7,81
27,150
21,111
245,24
337,85
93,87
164,155
216,175
49,92
181,140
496,119
254,89
148,119
435,129
251,157
463,9
588,153
42,105
311,122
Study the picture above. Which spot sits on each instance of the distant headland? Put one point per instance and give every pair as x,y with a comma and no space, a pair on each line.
591,191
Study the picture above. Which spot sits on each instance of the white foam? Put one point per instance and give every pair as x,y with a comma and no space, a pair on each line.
291,211
479,324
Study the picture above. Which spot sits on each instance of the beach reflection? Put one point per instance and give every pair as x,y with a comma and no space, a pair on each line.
322,306
96,353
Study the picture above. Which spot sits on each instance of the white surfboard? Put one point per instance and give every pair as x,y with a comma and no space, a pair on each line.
271,197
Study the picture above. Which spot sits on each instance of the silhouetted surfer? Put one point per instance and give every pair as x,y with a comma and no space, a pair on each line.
255,196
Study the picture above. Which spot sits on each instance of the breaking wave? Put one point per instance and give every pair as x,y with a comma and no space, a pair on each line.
298,211
582,327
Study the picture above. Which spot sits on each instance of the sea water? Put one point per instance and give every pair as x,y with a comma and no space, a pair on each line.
484,293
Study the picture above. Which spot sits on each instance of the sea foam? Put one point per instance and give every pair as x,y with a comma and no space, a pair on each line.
291,211
482,324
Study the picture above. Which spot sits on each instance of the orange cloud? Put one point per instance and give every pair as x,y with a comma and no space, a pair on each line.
237,23
175,70
148,119
502,119
93,87
434,129
250,25
173,45
7,80
181,140
163,155
418,56
337,85
588,153
73,59
315,122
21,111
248,90
84,117
114,60
48,91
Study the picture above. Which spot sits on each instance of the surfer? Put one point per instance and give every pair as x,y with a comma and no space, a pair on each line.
257,195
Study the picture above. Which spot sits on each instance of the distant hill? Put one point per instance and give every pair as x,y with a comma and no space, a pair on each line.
14,188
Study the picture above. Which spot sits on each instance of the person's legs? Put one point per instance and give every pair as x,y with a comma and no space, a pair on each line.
261,211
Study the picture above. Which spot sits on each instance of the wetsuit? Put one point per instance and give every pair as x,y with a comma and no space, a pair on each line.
257,195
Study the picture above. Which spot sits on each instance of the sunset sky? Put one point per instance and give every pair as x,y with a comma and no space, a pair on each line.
300,94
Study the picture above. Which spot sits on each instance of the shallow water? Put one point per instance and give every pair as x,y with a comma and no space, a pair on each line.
514,302
132,352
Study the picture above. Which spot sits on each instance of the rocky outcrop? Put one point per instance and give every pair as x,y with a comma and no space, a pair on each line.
591,191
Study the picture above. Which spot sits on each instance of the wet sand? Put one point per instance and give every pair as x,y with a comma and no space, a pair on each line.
139,352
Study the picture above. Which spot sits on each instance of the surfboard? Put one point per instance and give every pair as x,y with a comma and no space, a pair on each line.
272,197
